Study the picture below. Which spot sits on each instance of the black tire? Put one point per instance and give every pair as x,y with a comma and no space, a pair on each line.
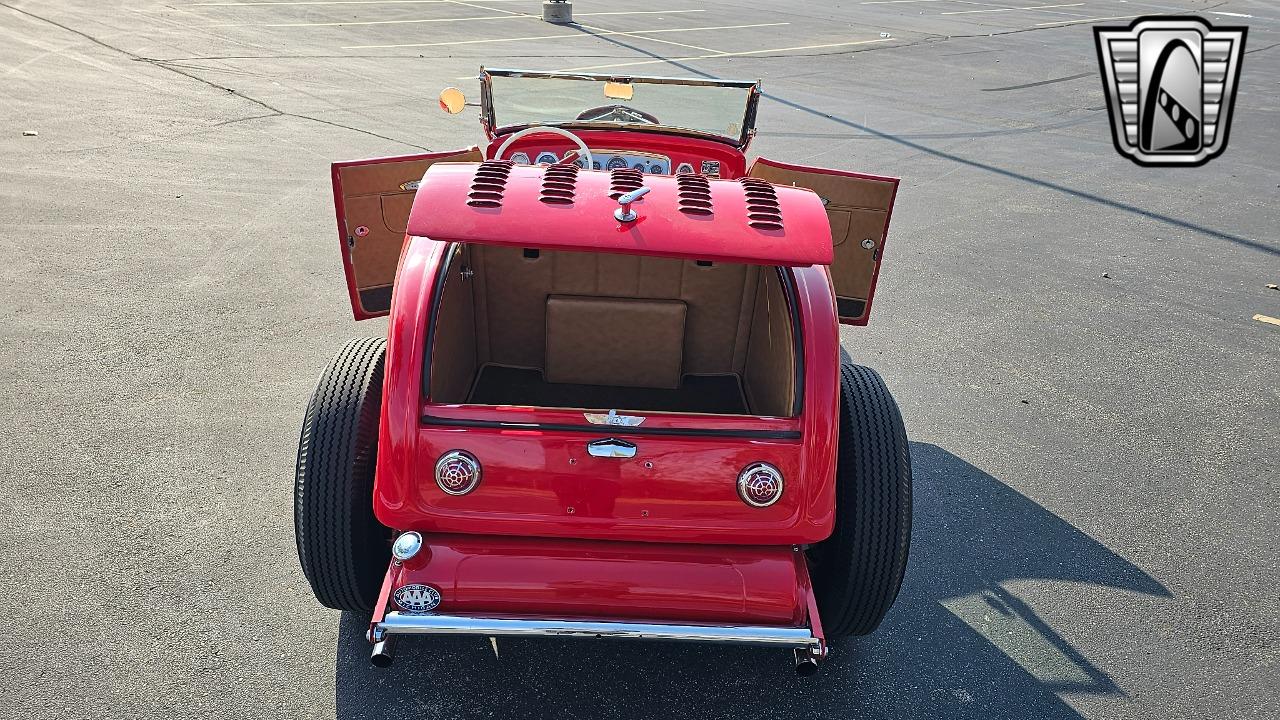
343,548
858,570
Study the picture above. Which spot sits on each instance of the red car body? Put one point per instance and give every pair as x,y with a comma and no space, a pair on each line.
556,533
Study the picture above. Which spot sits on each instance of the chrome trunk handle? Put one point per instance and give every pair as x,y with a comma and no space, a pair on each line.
625,213
611,448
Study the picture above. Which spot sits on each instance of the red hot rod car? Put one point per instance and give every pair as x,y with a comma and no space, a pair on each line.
611,401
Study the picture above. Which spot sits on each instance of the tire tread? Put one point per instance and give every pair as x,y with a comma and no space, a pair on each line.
341,545
859,569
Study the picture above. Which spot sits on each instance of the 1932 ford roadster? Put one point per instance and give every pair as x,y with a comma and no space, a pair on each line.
610,402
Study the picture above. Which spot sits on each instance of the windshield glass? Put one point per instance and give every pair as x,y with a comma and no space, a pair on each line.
708,107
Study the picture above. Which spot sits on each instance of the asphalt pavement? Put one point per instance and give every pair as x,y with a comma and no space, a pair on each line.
1094,409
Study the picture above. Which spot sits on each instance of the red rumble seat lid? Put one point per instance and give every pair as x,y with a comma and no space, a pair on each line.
562,207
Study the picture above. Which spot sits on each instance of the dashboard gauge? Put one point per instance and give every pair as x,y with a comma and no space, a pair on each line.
595,164
684,168
641,162
520,159
582,163
546,158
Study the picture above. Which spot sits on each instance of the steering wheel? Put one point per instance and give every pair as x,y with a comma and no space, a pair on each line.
620,113
583,150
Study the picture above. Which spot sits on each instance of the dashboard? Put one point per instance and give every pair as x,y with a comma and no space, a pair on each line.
650,163
651,154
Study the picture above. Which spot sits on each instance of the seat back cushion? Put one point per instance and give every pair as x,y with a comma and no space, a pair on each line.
629,342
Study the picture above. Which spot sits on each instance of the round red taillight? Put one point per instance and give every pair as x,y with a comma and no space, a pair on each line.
760,485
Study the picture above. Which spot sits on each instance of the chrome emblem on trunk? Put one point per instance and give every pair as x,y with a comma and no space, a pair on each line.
417,598
613,418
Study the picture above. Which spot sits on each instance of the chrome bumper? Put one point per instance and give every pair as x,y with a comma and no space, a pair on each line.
398,623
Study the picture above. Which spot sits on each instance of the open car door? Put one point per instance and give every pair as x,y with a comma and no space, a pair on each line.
858,207
373,199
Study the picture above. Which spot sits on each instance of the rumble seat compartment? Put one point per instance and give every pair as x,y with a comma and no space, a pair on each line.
628,342
708,329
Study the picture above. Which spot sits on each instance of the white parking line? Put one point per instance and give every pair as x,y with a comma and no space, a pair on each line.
1085,20
561,36
513,16
1007,9
637,34
331,2
587,27
717,56
996,7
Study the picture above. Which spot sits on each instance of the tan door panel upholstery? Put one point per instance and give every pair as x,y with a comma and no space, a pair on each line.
858,210
395,211
856,264
614,341
375,210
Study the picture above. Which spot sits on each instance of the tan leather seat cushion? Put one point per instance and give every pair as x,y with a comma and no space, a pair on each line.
615,341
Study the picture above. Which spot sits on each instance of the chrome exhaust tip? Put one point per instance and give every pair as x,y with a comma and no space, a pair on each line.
806,663
384,651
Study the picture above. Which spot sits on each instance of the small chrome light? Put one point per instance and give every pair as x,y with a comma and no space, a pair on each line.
406,546
760,485
457,472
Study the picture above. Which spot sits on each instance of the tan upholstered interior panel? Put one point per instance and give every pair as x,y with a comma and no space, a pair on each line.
454,364
857,209
374,256
515,288
857,264
372,198
614,341
395,212
727,310
767,379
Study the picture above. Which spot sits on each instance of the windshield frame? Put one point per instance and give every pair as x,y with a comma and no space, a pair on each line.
487,117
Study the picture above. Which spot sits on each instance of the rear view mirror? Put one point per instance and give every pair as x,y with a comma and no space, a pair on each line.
452,100
619,90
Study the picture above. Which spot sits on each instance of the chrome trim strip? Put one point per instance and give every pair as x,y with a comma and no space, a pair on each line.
398,623
613,418
637,431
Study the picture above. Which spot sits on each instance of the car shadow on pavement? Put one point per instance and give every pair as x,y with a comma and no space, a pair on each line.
959,642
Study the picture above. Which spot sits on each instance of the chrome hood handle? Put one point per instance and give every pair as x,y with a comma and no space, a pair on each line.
611,448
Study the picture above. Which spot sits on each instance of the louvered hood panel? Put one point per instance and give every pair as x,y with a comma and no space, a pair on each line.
561,207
